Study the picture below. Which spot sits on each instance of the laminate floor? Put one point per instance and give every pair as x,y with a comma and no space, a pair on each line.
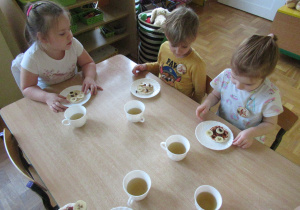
222,28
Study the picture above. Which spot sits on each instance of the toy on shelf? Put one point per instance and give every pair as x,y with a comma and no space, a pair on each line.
293,4
91,16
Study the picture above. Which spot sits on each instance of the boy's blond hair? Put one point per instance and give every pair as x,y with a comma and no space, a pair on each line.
256,57
181,25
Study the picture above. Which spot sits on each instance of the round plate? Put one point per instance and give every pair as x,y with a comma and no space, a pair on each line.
136,83
121,208
66,91
206,141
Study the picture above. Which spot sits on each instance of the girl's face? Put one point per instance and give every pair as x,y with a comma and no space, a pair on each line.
182,49
60,37
245,83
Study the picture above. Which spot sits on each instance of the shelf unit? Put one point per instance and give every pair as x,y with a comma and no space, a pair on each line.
113,11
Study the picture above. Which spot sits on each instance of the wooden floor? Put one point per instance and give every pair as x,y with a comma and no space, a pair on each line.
222,28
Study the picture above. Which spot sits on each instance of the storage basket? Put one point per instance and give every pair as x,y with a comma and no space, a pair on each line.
74,17
98,16
107,31
151,38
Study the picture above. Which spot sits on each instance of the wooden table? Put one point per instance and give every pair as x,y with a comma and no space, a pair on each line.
89,163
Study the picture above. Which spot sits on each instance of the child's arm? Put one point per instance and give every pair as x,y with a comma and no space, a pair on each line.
88,67
151,67
246,137
212,99
31,90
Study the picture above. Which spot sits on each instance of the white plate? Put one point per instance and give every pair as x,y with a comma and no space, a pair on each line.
121,208
206,141
136,83
66,91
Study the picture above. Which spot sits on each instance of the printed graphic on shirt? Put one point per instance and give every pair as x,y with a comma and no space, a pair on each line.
181,69
169,72
57,76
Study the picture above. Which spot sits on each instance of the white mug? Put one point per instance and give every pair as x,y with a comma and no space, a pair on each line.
172,139
209,189
131,105
75,109
131,176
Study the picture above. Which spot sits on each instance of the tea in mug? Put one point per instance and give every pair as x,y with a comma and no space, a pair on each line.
177,148
207,201
134,111
76,116
137,187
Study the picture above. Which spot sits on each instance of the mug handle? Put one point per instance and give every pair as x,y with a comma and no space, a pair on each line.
130,200
142,119
163,145
66,122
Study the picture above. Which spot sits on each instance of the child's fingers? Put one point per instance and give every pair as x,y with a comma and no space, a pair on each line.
135,72
83,88
237,140
99,88
57,107
65,101
201,112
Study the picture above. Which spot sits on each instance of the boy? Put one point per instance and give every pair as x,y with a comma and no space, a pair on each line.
178,64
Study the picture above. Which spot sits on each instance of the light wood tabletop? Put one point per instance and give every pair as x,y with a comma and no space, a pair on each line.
89,163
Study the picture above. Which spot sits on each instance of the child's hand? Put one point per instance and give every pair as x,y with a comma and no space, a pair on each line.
202,110
89,83
139,68
244,139
54,102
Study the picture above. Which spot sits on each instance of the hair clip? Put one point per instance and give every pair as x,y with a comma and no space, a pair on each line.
28,11
33,6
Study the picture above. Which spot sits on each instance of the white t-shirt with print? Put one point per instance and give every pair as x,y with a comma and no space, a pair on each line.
49,70
264,101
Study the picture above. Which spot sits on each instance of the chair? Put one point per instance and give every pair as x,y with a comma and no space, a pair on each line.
286,120
15,155
208,88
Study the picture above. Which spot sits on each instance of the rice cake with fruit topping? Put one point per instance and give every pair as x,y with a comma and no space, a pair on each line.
75,96
145,88
218,134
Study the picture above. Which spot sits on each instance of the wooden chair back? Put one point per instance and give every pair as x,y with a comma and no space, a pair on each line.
16,157
286,120
209,89
12,150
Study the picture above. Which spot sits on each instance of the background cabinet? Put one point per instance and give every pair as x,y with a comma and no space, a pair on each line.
122,12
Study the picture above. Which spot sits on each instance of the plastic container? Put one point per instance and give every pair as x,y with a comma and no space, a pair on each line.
74,28
118,28
95,16
107,31
151,38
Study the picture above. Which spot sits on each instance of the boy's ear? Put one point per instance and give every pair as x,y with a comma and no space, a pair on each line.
42,38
